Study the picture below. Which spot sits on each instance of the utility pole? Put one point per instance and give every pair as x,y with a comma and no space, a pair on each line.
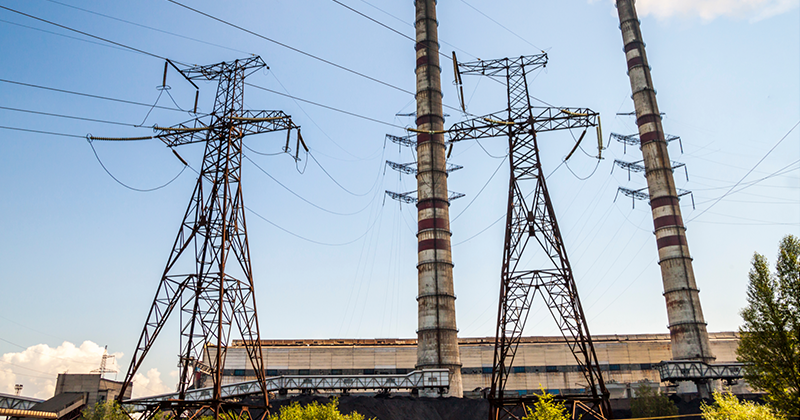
687,326
531,226
437,336
208,275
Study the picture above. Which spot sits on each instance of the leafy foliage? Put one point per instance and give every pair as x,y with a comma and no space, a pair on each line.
315,411
649,402
108,410
770,335
547,409
728,407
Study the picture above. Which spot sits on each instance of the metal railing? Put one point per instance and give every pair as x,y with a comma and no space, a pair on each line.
419,379
690,370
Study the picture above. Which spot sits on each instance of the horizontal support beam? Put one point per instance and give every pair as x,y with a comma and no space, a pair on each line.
437,379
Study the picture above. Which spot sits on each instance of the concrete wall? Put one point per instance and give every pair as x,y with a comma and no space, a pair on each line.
541,362
93,385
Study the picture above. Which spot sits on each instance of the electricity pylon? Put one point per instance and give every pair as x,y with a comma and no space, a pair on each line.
532,217
208,275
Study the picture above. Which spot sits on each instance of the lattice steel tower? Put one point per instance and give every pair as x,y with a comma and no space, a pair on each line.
208,275
531,220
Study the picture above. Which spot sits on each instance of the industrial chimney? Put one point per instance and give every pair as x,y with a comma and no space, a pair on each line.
437,345
686,324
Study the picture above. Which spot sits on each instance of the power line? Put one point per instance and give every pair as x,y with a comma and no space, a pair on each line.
41,132
63,35
352,114
747,174
501,25
106,98
126,185
149,27
409,24
375,20
297,50
68,116
83,33
303,198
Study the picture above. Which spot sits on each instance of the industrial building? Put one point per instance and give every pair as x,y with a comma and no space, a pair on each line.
541,362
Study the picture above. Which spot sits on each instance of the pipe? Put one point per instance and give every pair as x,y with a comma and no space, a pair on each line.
13,412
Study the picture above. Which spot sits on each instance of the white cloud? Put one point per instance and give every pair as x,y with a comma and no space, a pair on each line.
37,367
151,383
707,10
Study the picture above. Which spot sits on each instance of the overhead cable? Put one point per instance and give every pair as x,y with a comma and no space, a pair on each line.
297,50
67,116
126,185
149,27
83,33
106,98
501,25
748,172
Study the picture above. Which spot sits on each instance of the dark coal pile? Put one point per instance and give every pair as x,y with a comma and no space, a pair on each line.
401,407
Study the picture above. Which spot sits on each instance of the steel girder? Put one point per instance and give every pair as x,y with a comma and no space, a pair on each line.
438,379
692,370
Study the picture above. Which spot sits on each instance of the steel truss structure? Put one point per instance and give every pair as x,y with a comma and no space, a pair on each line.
642,194
208,276
531,220
436,379
693,370
18,402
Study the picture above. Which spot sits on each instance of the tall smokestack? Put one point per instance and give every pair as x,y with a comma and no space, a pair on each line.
687,327
437,345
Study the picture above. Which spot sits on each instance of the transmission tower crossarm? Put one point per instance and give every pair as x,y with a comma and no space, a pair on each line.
498,67
248,123
543,119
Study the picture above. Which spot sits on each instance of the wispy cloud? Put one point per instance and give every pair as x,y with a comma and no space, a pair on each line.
707,10
37,368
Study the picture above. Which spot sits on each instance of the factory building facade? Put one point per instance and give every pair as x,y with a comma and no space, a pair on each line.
541,362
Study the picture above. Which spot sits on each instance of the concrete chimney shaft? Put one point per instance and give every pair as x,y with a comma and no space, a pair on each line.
437,345
686,324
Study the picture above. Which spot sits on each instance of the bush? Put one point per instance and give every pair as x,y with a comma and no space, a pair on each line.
727,407
649,402
108,410
315,411
547,409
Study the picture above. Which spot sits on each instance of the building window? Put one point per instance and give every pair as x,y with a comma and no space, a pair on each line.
487,370
613,367
303,372
645,366
336,371
238,372
551,368
519,369
272,372
369,371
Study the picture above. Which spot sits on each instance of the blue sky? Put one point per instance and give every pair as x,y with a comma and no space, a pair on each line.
82,255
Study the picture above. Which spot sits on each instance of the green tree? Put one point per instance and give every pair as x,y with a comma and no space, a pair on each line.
547,409
727,407
649,402
315,411
770,335
108,410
